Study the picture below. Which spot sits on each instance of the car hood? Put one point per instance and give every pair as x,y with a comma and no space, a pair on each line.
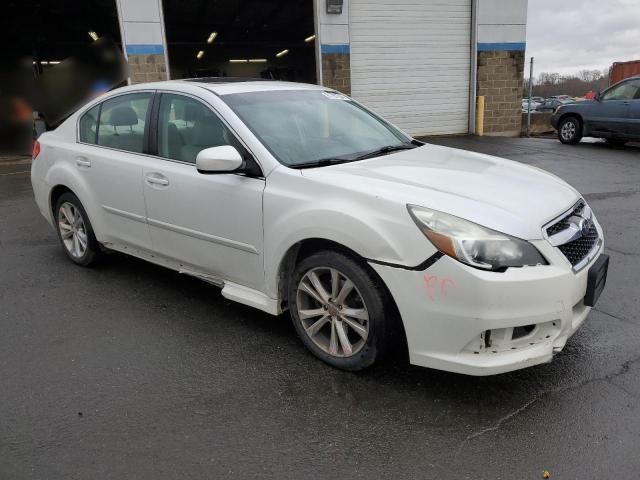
500,194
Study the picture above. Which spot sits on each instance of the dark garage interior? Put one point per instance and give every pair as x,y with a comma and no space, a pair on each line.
245,38
52,30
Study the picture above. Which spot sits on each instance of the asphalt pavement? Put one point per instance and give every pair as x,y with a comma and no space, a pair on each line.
131,371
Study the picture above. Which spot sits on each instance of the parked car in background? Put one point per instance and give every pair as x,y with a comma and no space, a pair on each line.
550,104
293,196
525,105
613,115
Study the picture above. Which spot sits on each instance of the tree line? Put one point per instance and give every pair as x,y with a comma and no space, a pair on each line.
579,84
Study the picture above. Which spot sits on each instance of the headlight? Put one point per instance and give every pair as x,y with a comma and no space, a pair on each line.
474,244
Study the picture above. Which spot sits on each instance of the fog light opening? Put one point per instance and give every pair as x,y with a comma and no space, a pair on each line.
487,339
519,332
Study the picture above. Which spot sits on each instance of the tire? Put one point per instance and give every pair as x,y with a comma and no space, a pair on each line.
366,299
570,130
616,142
73,226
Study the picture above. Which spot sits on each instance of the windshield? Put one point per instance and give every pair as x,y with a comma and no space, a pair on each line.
300,127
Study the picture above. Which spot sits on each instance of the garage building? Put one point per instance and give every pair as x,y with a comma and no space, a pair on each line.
419,63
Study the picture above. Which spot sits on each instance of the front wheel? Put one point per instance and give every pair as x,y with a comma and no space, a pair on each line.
75,231
338,310
570,130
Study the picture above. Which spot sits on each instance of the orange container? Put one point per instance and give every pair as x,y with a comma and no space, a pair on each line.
621,70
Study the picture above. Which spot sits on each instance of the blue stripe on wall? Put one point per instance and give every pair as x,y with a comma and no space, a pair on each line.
149,49
501,46
342,48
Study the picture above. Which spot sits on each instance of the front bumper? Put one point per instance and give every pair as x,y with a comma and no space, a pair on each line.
555,119
448,309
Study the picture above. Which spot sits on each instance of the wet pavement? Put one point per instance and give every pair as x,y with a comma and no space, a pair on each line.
128,370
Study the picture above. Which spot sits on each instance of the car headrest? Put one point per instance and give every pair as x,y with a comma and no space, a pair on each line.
193,113
208,131
124,115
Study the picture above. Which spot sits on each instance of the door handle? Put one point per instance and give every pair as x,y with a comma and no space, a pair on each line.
83,162
157,179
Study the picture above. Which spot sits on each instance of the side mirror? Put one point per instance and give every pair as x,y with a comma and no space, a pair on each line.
224,159
598,97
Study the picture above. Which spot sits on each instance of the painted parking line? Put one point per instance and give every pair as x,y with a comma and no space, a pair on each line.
14,173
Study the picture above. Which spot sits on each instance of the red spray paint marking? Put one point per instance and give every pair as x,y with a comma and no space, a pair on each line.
437,287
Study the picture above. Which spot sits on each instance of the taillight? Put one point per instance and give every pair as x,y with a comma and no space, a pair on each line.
36,150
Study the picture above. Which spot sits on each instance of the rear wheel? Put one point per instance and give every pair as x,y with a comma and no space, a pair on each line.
75,231
570,130
617,142
338,310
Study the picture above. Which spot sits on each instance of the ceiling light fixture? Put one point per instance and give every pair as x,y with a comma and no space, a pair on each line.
200,54
257,60
238,60
310,38
93,35
212,37
282,53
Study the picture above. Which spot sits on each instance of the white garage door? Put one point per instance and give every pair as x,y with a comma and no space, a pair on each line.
411,60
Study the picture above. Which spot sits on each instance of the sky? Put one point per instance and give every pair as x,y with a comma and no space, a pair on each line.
567,36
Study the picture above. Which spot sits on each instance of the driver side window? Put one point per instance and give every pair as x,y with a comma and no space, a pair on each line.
187,126
628,90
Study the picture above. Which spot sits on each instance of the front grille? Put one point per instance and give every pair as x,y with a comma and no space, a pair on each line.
564,224
578,249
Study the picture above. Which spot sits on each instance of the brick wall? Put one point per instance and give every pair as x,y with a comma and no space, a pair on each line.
147,68
336,71
500,81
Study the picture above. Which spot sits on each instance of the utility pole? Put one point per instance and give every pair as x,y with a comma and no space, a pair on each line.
530,93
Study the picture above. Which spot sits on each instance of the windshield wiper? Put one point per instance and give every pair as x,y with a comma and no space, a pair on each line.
377,152
320,163
386,149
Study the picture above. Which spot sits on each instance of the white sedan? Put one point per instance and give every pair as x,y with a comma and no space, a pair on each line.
292,196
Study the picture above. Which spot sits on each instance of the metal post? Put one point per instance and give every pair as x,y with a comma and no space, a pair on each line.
530,93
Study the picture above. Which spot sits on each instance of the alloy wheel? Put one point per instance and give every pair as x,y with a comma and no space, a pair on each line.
568,130
332,312
73,231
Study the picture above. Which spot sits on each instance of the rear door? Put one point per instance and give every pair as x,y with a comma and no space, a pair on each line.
208,223
109,155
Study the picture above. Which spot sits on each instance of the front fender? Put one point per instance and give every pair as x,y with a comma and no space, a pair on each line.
374,228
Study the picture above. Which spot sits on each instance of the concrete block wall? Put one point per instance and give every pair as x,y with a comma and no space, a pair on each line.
500,81
147,68
333,47
501,34
143,39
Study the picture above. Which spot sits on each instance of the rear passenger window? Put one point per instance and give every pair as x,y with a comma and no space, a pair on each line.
89,125
122,122
187,126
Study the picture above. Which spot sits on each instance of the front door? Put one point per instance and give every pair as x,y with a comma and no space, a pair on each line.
208,223
634,112
611,115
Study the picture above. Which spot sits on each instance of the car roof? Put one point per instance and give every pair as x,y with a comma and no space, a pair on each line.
229,85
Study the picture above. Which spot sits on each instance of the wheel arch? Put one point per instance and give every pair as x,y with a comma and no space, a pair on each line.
55,193
64,178
577,116
303,249
307,247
